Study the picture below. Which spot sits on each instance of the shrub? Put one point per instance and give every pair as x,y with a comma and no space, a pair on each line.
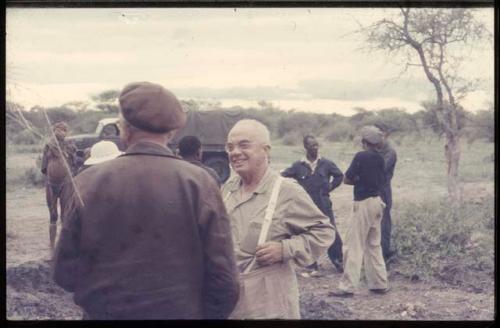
339,132
292,138
431,240
33,177
36,148
25,137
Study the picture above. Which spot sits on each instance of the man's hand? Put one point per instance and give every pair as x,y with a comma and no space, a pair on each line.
269,253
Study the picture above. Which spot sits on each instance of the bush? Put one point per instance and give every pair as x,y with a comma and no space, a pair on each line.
292,138
33,177
25,137
36,148
339,132
431,240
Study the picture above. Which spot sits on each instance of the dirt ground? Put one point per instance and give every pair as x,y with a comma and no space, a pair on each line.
31,295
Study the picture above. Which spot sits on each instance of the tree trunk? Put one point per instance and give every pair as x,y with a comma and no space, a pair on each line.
452,153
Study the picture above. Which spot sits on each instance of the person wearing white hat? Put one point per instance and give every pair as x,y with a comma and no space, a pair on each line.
101,152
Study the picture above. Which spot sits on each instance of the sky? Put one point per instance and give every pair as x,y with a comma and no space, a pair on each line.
296,58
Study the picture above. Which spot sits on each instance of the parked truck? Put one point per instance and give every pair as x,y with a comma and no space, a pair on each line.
211,127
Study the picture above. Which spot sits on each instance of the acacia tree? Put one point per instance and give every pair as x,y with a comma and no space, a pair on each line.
435,40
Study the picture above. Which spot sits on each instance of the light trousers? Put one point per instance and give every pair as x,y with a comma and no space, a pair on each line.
362,244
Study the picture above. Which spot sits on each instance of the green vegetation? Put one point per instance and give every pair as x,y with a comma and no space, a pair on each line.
289,126
431,240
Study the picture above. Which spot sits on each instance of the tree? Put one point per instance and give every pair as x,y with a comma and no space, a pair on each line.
106,101
435,37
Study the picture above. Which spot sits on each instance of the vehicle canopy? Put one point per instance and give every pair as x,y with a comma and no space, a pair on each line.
211,127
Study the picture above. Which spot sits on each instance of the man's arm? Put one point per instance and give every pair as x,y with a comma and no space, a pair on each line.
352,173
67,253
289,172
45,160
221,289
348,181
337,175
311,232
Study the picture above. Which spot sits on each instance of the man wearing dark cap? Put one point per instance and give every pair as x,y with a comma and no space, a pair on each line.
190,150
57,166
362,241
151,237
389,154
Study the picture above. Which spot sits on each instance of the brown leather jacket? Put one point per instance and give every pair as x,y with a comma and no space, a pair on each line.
152,240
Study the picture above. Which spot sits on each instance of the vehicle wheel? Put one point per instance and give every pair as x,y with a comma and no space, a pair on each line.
221,165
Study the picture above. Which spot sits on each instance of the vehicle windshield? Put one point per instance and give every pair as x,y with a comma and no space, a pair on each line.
99,127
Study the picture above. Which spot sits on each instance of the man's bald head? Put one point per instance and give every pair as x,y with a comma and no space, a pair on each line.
258,131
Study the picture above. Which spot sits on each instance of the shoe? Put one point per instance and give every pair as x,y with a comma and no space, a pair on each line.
341,293
305,274
339,266
380,291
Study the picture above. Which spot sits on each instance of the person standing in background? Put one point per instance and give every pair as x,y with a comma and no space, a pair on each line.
362,241
390,157
189,149
57,166
319,176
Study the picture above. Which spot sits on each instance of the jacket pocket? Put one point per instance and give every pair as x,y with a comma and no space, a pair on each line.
249,242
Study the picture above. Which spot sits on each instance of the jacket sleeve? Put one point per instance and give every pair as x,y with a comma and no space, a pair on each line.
311,232
337,175
221,288
45,160
67,252
289,172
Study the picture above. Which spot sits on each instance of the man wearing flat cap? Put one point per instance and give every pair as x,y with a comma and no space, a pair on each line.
151,237
362,241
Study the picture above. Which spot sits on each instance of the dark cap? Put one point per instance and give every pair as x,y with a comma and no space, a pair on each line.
372,134
151,107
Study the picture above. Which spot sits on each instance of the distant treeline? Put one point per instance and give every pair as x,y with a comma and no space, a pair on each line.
289,126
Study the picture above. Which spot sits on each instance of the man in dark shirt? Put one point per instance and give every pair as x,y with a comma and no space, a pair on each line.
390,158
319,176
190,150
362,241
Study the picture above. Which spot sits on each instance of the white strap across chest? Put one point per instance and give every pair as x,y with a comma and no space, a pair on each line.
266,222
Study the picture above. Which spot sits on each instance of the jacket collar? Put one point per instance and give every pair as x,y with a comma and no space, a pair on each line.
148,148
305,160
263,184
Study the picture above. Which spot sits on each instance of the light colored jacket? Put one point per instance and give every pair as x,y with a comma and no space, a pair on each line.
305,232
